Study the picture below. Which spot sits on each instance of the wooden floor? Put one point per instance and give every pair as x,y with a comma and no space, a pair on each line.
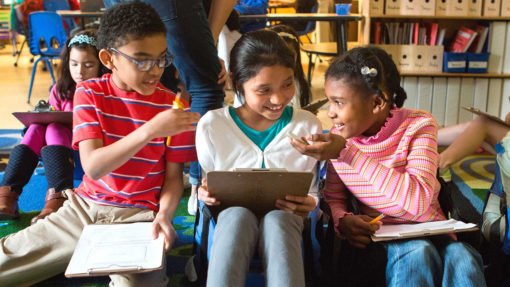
15,81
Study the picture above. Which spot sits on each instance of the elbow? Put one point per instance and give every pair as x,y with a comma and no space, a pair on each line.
92,172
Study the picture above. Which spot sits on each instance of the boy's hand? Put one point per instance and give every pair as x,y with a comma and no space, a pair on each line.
162,225
323,147
223,75
299,205
357,229
205,196
172,122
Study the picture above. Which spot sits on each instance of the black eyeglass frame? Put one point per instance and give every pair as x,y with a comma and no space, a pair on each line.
167,60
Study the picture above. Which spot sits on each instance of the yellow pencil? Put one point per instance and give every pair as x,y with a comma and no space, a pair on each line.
177,104
377,218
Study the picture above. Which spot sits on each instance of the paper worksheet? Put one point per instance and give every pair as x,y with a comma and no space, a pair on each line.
401,231
116,248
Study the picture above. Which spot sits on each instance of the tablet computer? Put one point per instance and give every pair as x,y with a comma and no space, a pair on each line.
256,189
28,118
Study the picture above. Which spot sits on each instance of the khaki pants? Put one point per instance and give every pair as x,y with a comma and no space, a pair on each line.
44,249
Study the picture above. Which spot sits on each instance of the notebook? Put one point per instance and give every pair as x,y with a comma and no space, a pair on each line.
116,248
256,189
28,118
402,231
91,5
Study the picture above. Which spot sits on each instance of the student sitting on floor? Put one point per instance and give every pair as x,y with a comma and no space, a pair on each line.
263,73
386,157
52,142
120,124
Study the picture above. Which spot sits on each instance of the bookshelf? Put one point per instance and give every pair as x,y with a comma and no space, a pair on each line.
438,92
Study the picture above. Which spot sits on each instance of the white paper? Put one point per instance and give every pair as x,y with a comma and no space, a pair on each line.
427,228
116,248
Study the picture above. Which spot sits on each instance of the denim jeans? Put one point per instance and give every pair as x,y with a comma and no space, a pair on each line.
190,40
433,261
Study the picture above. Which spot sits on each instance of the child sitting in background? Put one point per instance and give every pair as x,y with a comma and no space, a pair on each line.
464,139
120,125
263,73
386,157
52,142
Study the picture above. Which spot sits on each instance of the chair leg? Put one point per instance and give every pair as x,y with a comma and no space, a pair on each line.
49,63
310,68
19,52
32,79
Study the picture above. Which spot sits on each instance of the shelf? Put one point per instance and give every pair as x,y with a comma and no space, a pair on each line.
462,75
420,17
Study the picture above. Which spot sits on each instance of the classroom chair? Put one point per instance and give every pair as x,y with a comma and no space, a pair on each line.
46,38
19,29
54,5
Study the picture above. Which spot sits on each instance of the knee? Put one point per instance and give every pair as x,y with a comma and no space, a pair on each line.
237,216
282,220
459,252
425,254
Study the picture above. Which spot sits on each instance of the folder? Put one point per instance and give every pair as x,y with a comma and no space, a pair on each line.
439,100
403,231
28,118
489,116
105,249
255,189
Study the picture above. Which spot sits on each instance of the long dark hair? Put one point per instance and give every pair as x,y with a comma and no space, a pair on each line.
255,50
65,83
371,70
304,89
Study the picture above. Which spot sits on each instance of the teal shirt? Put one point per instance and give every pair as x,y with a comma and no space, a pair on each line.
263,138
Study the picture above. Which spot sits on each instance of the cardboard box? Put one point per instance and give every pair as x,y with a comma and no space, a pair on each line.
454,62
492,8
452,7
376,7
505,8
475,8
392,7
477,62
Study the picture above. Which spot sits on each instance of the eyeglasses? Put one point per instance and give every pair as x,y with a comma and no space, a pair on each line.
147,65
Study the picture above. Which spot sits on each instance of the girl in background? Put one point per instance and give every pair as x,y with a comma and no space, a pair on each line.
385,157
52,142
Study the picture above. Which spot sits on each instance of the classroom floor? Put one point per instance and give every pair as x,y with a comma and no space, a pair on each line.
15,81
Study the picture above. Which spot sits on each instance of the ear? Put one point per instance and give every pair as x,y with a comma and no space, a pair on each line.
380,104
106,58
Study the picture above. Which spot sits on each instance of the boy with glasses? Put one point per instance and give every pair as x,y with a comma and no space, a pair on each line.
120,124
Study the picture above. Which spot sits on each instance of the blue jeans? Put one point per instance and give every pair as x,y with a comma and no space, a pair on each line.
190,40
434,261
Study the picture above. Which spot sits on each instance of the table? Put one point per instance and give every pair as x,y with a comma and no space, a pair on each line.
340,21
79,14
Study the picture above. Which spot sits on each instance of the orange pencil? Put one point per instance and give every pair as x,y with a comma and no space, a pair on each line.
177,104
377,218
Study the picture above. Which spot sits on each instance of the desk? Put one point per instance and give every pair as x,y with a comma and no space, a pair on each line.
340,21
79,14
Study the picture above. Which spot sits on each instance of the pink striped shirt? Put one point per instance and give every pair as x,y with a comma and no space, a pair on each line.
392,172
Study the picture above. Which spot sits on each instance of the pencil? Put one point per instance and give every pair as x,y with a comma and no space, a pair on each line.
377,218
177,104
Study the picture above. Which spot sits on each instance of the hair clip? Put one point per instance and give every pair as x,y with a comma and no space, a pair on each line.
372,72
287,35
80,39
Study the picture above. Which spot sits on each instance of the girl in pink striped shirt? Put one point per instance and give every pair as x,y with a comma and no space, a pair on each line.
383,158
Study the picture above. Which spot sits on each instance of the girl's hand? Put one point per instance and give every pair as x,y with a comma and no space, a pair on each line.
205,196
223,76
324,146
162,225
357,229
172,122
299,205
507,118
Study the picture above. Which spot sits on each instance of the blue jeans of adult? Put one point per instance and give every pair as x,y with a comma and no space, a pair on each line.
434,261
190,40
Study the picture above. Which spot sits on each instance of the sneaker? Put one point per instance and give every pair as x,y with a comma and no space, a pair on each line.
190,271
192,205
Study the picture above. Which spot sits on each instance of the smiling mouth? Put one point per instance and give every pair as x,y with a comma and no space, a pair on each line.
339,125
274,108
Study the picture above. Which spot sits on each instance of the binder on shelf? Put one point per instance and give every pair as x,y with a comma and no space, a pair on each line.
481,89
505,8
492,8
452,101
477,62
426,7
392,7
506,56
454,62
376,7
494,96
425,86
439,100
467,91
411,88
474,8
497,33
505,99
451,7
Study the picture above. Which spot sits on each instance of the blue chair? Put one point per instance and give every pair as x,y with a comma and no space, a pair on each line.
310,25
46,38
54,5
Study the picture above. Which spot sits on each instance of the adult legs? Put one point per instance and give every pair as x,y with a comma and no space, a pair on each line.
280,248
234,242
413,263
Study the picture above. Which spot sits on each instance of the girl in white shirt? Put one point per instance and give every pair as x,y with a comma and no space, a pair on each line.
254,135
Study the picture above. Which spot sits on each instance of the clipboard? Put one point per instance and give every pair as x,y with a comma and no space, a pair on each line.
404,231
481,113
255,189
28,118
105,249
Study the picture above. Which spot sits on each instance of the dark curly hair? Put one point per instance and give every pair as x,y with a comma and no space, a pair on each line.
128,21
348,68
255,50
65,83
304,90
